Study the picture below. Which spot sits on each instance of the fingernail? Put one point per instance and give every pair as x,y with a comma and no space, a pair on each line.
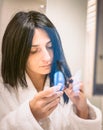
59,93
58,87
71,81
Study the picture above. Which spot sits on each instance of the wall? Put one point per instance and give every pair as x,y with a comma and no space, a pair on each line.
69,16
64,14
10,7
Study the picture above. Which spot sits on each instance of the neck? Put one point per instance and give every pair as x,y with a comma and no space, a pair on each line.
38,81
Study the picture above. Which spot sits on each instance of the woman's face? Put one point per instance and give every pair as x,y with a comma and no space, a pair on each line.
41,54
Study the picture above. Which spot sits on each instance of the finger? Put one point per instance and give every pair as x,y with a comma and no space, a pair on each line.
53,97
78,94
52,104
68,92
81,87
76,89
70,86
51,110
69,89
49,92
82,95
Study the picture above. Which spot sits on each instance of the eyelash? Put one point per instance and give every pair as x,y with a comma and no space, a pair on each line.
33,52
50,47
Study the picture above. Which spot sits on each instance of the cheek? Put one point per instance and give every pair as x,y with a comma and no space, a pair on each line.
32,62
51,54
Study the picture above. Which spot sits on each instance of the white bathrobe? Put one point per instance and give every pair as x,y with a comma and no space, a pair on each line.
15,113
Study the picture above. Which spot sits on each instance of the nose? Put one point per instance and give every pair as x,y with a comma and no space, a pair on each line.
45,55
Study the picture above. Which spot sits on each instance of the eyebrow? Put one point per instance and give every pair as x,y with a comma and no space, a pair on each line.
38,45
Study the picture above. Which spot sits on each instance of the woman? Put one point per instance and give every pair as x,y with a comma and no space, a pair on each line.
29,100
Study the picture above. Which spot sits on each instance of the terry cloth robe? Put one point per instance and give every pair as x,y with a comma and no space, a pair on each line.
15,113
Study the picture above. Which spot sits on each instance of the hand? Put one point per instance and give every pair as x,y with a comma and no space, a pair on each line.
79,100
43,104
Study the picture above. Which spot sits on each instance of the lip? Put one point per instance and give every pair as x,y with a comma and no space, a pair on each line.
46,65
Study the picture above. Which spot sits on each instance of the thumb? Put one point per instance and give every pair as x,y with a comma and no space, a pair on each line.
49,92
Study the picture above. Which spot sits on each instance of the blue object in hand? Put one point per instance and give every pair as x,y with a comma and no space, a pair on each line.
59,79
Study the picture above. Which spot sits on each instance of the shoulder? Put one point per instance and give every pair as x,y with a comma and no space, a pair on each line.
2,86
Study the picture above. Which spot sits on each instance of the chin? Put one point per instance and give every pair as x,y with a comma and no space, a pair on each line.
46,72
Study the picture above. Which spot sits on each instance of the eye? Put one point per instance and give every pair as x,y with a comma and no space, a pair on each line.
33,51
49,45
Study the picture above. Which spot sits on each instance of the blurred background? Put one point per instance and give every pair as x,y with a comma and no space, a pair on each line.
80,25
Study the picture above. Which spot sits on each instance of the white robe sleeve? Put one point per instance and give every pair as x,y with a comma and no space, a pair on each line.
20,119
94,123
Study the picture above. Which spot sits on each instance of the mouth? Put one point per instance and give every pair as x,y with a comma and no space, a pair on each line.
46,66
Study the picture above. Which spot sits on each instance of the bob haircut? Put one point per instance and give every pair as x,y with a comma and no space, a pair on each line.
16,46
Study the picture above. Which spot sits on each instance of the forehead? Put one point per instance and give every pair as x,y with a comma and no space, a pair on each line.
40,37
